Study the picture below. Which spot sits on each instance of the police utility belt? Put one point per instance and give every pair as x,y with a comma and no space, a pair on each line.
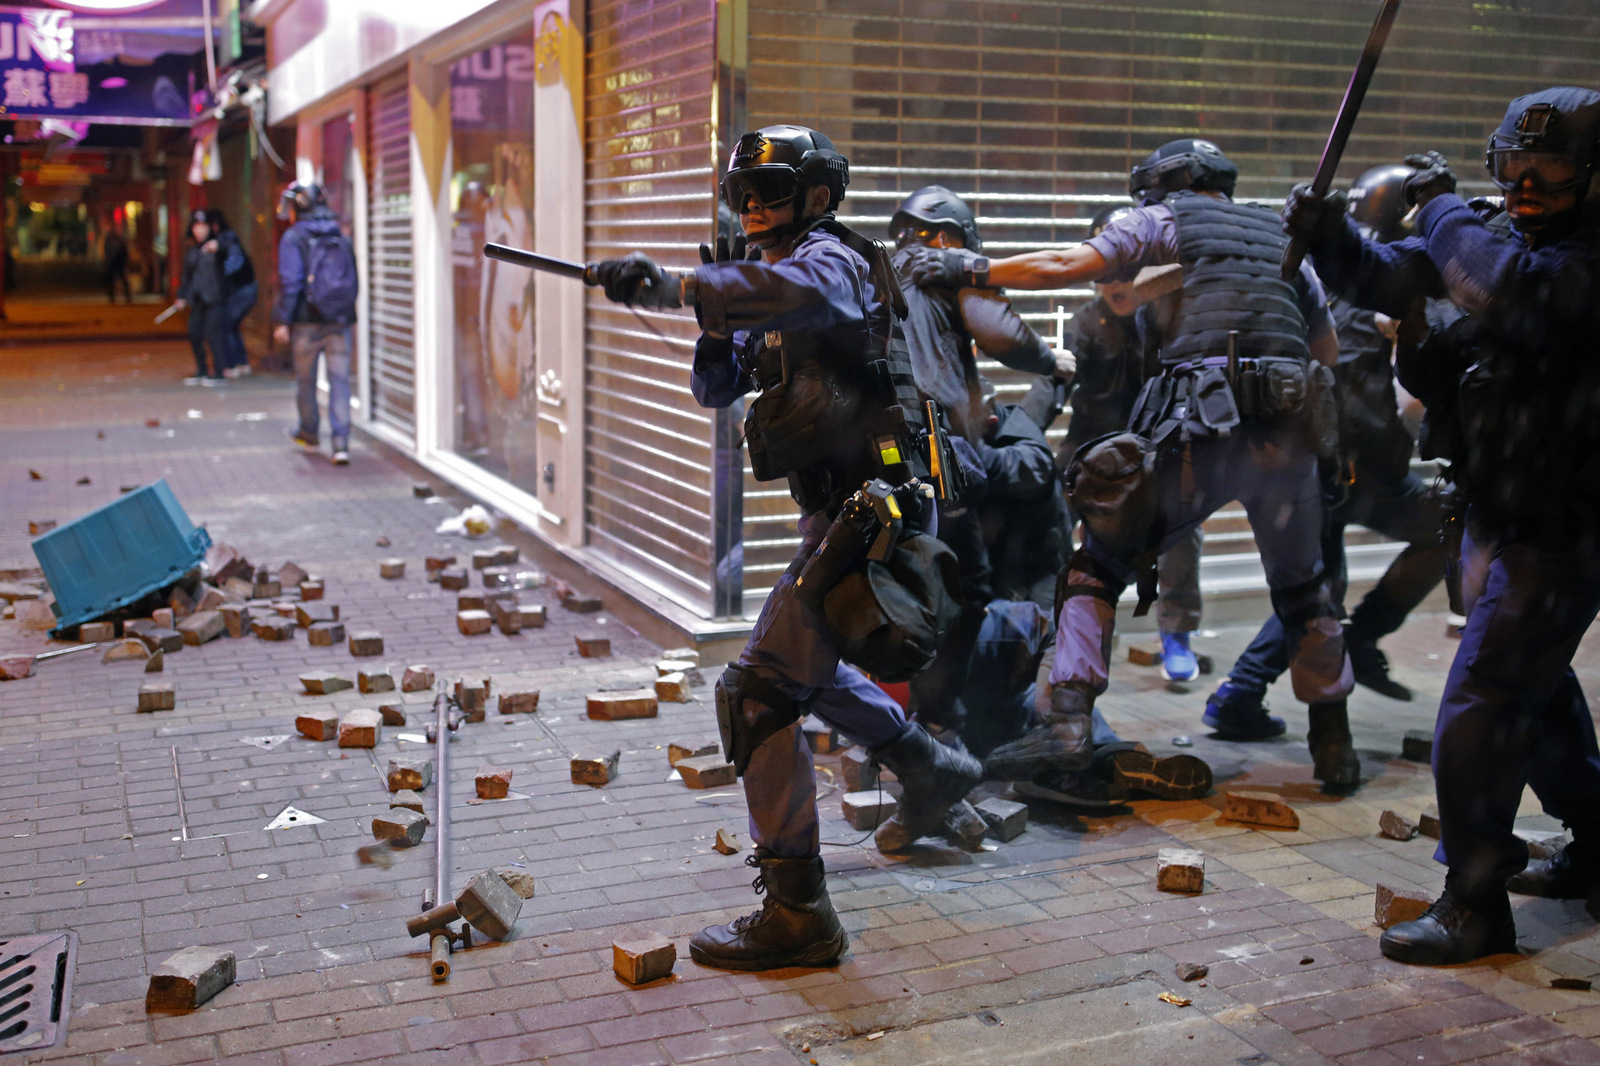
1212,396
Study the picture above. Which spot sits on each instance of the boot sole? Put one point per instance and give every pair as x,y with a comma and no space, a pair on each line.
1429,955
821,955
1033,790
1173,778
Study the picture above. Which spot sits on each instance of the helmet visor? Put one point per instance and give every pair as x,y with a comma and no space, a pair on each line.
1547,171
745,190
914,231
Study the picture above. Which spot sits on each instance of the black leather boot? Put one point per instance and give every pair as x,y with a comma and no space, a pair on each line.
1333,756
1371,668
1571,873
1457,928
933,777
796,925
1064,742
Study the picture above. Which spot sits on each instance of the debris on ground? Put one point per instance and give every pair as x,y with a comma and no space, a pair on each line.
612,706
1180,870
1391,906
646,959
1191,971
1396,826
1006,819
1259,808
597,770
1175,1000
706,771
728,842
188,978
158,696
474,521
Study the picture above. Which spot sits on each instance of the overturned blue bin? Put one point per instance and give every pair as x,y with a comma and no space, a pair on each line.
111,557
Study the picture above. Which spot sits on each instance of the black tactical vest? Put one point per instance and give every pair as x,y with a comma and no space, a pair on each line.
1231,254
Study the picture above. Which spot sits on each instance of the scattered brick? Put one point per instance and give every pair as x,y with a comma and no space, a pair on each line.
123,650
225,564
392,714
417,678
1191,971
1542,844
507,555
1396,826
1146,653
583,604
187,979
265,588
1259,808
164,618
42,525
290,574
493,782
366,643
273,628
820,737
156,663
508,616
202,627
474,623
533,615
868,810
641,961
483,558
283,609
490,905
374,680
383,542
318,725
325,634
1417,746
1391,906
728,842
612,706
1006,820
706,771
392,568
497,578
518,881
307,615
236,619
407,799
473,695
1428,821
471,601
324,683
312,590
95,632
453,579
211,599
673,688
964,825
421,490
158,696
239,588
17,667
677,752
360,729
682,655
1180,870
689,670
595,770
180,603
401,826
519,702
592,645
414,772
433,564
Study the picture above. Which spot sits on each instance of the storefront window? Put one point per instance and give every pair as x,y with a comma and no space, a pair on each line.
491,195
338,178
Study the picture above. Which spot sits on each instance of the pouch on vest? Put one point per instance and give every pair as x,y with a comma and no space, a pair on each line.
1211,400
1111,484
1150,408
800,421
1283,388
1319,427
889,618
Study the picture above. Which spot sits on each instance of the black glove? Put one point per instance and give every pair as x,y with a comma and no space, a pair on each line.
637,281
724,254
947,268
1433,177
1318,221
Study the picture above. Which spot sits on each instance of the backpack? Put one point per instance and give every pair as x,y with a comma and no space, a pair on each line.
331,279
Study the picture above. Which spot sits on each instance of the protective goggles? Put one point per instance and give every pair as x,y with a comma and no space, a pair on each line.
769,187
1546,171
918,233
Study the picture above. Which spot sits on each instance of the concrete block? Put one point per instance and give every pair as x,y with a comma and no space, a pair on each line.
125,650
1259,808
646,959
164,618
483,558
965,826
1180,870
1417,745
375,680
493,782
1391,905
1006,820
820,737
595,769
318,725
273,628
473,695
471,601
236,619
312,590
324,683
16,667
681,750
202,627
156,663
158,696
189,978
407,799
1542,844
390,569
612,706
490,905
366,643
401,827
211,598
1428,821
1396,826
410,771
496,578
393,714
1145,653
867,810
533,615
291,574
706,771
360,729
325,634
682,655
453,579
96,632
519,881
519,702
507,555
593,645
473,623
307,615
416,678
181,604
673,688
728,842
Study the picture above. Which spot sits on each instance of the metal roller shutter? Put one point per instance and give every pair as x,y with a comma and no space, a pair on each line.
391,299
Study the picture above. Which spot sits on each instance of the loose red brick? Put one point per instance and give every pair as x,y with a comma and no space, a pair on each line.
325,634
158,696
493,782
474,623
417,678
96,632
593,646
643,960
318,725
519,702
366,643
202,627
360,729
391,569
706,771
375,681
308,614
324,683
1259,808
611,706
595,769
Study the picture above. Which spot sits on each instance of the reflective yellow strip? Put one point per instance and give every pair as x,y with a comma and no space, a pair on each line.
890,454
894,506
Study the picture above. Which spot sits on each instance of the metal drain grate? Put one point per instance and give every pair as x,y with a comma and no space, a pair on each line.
35,990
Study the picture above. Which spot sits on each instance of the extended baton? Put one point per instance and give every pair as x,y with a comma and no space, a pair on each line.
168,313
567,268
1354,93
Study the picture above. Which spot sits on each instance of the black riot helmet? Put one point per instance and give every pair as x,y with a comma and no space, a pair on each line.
938,207
1108,215
303,197
1378,202
1178,165
776,165
1551,137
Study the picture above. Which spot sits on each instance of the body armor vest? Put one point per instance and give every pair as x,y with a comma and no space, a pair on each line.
1231,254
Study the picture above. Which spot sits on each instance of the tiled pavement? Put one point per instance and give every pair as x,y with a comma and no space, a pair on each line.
1053,948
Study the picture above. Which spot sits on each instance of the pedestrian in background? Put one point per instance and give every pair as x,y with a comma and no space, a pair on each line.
239,277
114,265
204,292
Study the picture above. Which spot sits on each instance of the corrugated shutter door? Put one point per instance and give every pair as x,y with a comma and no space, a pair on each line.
649,187
391,300
1036,111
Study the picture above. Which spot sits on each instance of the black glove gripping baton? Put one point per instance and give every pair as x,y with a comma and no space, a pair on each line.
1345,122
584,272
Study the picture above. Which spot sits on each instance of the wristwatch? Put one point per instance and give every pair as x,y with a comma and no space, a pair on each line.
978,272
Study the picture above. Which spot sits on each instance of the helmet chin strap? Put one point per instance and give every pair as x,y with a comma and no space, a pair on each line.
771,237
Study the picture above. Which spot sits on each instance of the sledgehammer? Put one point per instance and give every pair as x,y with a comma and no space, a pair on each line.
487,903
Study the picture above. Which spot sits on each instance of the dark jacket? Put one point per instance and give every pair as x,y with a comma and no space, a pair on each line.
1110,372
237,270
1023,513
1371,433
292,305
202,281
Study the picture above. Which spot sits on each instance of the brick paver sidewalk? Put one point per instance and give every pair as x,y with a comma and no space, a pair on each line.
145,833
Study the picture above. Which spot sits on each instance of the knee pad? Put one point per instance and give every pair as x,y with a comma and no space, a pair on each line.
750,710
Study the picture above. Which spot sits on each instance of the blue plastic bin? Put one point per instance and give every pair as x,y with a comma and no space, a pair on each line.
111,557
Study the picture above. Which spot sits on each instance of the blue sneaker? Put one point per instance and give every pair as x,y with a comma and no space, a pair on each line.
1177,661
1236,713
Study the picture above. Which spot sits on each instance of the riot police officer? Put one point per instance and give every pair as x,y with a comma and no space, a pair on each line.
1373,486
1243,399
808,325
1513,399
